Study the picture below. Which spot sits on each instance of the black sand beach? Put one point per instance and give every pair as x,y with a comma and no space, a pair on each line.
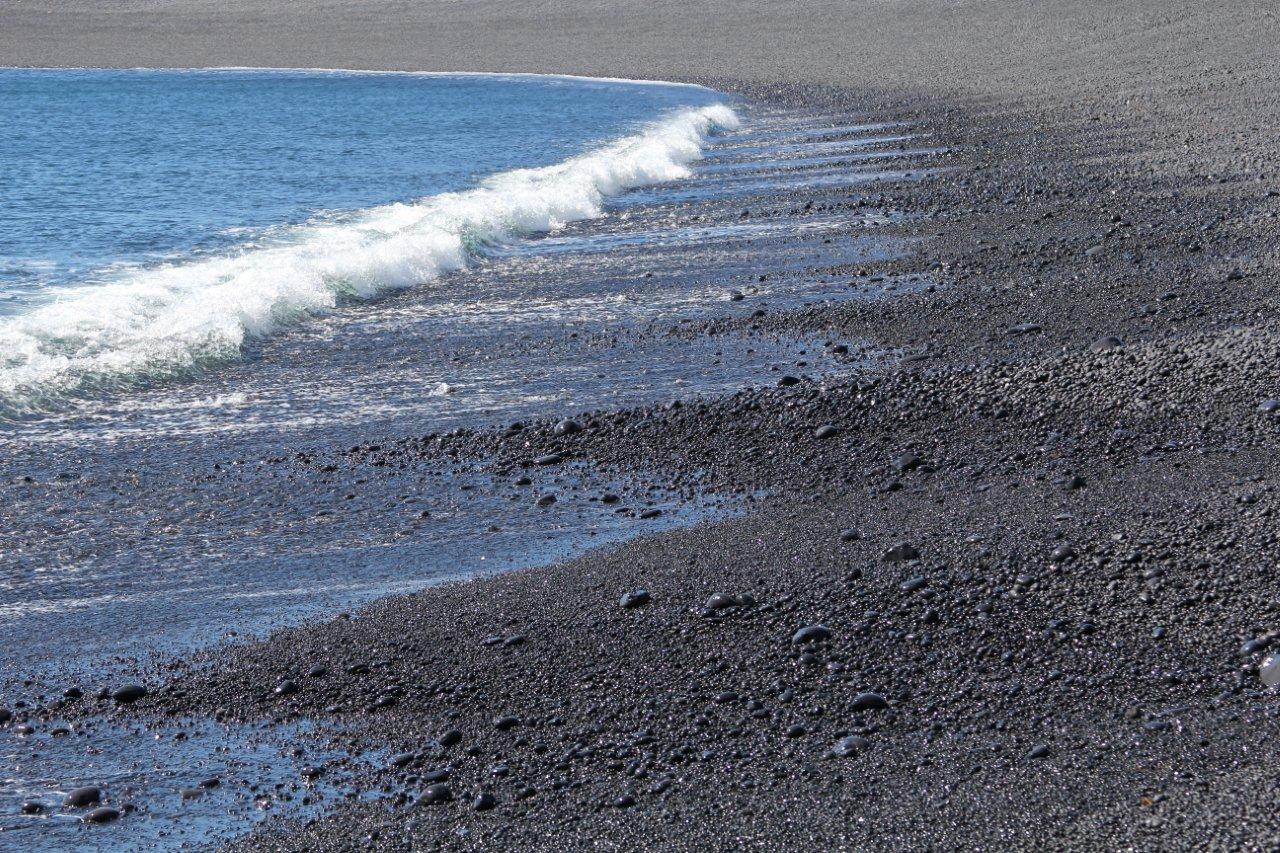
1012,590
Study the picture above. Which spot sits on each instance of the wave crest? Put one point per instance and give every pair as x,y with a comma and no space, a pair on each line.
173,320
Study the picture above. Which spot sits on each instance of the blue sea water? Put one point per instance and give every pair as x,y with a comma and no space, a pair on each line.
154,221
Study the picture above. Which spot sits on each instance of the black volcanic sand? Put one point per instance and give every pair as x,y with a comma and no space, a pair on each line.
1013,591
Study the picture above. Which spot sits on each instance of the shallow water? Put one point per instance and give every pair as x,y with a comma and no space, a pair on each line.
190,781
125,513
205,508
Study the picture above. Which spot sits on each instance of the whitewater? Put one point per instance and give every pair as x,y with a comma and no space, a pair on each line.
152,323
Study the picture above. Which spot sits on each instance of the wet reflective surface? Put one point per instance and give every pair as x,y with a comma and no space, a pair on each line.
197,513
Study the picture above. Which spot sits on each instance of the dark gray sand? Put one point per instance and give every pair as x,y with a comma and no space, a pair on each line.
1012,592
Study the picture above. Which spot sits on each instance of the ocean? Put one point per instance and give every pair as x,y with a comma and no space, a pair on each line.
156,221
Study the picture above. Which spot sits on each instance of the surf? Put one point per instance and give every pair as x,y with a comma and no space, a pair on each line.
176,319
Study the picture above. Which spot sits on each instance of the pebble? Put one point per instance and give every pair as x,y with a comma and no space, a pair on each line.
129,693
105,814
869,702
632,600
901,552
1269,407
437,793
1040,750
484,801
451,738
81,797
721,601
1255,645
549,459
1023,329
906,462
912,584
626,801
1269,672
5,716
32,807
825,431
811,634
546,500
850,536
850,746
502,724
566,427
1107,343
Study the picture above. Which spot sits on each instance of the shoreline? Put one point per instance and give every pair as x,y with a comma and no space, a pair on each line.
1039,555
288,69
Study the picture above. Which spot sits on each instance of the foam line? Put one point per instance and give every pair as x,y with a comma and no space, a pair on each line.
172,320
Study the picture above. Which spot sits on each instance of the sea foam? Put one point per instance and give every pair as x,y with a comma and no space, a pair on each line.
149,324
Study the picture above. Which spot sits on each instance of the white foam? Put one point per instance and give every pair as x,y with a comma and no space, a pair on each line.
170,320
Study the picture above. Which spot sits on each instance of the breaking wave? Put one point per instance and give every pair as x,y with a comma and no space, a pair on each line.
168,321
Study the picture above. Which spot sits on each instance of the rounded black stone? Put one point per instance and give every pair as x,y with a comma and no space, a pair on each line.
811,634
129,693
901,553
869,702
850,746
437,793
638,598
567,427
87,796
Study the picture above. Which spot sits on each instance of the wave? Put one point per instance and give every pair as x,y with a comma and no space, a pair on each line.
170,321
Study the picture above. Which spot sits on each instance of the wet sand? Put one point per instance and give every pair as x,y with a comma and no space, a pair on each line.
1012,592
